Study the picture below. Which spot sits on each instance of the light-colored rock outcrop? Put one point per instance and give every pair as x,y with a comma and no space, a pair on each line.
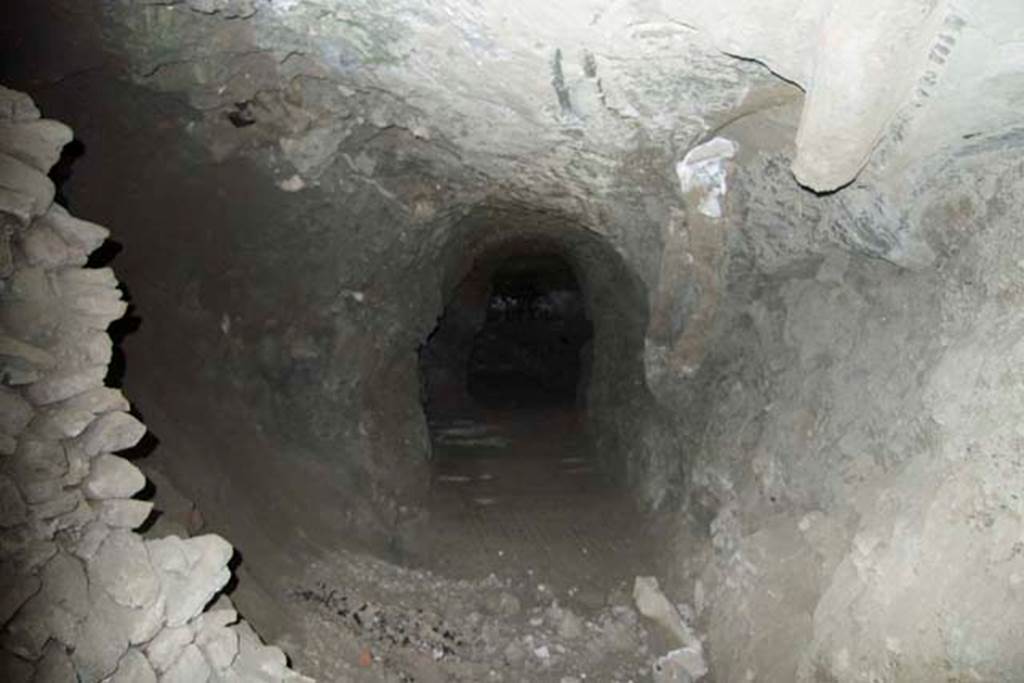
75,577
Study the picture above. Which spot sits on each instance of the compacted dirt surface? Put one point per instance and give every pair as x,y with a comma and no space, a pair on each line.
523,573
519,491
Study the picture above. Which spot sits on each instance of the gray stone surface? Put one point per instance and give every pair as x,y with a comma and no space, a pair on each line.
113,477
55,666
37,143
77,233
77,606
120,513
817,394
190,667
163,651
191,572
63,385
133,668
15,412
115,431
12,507
121,568
17,176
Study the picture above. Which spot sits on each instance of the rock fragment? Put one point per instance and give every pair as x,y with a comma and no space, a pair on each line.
133,668
113,477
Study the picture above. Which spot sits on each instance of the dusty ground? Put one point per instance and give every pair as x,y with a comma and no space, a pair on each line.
525,570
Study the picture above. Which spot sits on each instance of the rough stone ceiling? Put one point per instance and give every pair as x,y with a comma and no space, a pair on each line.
556,90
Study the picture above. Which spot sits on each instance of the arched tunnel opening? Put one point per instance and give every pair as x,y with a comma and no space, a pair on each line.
516,414
514,338
561,342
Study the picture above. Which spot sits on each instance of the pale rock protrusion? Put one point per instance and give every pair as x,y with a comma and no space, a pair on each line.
78,465
112,432
218,642
122,569
113,477
22,363
77,233
653,604
90,538
133,668
99,649
72,280
59,422
37,143
99,400
64,385
55,666
191,572
63,601
75,519
17,176
12,507
167,646
147,622
98,303
61,504
15,412
123,513
19,207
96,348
259,663
108,632
43,247
16,106
684,665
190,667
36,460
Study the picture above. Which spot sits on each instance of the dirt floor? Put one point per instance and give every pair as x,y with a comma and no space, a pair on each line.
524,572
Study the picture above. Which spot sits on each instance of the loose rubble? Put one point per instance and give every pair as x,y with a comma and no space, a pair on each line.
406,625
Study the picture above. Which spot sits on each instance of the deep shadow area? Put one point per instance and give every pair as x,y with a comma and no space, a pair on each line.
514,335
516,481
529,351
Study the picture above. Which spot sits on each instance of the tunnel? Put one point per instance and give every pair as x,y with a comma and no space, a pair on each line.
514,338
593,341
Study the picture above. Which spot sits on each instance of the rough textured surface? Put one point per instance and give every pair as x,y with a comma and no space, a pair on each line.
79,587
814,394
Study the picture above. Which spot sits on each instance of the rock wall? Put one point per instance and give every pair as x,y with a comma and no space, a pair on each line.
821,394
852,432
84,597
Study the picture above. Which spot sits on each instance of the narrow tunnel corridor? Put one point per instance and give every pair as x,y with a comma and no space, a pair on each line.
516,485
478,342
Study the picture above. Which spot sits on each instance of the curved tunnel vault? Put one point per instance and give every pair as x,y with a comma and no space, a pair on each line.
540,324
814,399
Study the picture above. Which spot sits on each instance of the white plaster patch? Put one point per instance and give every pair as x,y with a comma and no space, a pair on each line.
703,170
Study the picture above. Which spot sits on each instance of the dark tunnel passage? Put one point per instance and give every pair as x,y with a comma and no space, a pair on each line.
515,339
507,384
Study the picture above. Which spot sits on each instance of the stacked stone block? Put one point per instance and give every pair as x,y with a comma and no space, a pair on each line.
82,596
